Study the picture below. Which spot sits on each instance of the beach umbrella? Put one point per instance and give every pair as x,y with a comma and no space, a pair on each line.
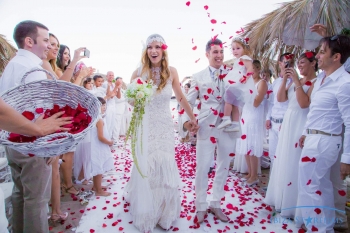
7,51
287,29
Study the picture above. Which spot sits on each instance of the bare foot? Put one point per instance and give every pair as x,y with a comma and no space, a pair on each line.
103,194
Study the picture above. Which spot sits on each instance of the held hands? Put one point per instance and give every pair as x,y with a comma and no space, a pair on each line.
344,170
191,126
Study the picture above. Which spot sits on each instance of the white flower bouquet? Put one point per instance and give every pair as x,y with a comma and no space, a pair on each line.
140,93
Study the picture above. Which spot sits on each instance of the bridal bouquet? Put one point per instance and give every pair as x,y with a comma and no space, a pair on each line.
140,93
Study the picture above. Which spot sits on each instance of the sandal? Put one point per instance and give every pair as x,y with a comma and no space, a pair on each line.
67,190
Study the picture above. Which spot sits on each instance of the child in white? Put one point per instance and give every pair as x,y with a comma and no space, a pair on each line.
239,88
101,156
82,154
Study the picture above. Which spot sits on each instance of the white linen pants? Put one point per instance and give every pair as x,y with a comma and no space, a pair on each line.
273,141
205,153
319,157
116,129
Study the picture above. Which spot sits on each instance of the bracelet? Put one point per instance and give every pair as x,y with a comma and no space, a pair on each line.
298,87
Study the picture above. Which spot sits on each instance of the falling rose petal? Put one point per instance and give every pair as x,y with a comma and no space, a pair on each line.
317,210
308,83
250,73
318,192
223,22
139,81
314,229
208,15
192,41
269,92
188,3
212,126
290,183
251,91
231,82
175,229
213,21
205,97
213,139
178,28
296,145
243,136
92,230
197,60
305,159
342,193
164,46
221,114
232,154
182,111
104,225
241,63
230,37
194,48
309,182
222,76
266,153
121,229
242,121
196,88
206,7
313,160
210,91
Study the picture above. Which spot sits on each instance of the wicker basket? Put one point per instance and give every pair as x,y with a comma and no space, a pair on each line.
44,94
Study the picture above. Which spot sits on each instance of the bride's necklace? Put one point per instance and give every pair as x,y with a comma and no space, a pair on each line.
155,75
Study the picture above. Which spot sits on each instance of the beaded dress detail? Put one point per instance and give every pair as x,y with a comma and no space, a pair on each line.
162,172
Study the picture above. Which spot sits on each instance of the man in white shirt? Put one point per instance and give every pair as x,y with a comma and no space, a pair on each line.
321,140
120,104
276,110
31,175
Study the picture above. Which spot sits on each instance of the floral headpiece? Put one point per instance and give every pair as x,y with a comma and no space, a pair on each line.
242,40
158,38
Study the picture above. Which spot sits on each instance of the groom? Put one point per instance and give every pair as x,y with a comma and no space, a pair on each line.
208,85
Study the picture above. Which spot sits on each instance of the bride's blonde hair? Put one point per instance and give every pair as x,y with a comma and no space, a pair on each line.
164,66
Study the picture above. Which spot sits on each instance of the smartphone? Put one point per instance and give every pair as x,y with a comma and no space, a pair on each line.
87,53
287,65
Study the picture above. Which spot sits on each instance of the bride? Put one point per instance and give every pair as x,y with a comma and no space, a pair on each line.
155,197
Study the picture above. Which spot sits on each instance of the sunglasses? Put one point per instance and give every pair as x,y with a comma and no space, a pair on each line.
336,37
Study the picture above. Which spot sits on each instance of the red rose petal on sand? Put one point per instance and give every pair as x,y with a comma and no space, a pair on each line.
342,193
213,21
317,210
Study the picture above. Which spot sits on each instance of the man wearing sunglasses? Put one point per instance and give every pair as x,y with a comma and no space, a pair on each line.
321,140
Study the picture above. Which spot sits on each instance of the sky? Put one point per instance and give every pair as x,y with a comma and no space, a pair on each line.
114,30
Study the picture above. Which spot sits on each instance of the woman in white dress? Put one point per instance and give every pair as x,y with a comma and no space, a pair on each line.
250,147
283,184
155,198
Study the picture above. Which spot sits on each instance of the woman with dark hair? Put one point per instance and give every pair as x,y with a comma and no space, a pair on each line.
283,184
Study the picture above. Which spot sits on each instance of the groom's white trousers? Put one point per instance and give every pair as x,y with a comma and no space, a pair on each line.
316,184
205,154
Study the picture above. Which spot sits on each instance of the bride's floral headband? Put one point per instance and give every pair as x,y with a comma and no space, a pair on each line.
158,38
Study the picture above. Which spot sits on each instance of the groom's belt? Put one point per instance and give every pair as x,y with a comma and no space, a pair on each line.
276,120
314,131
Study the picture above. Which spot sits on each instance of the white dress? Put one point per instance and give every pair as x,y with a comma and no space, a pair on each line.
82,157
101,155
162,175
283,185
251,142
239,89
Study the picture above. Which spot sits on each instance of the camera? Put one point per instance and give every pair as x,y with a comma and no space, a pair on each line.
87,53
287,65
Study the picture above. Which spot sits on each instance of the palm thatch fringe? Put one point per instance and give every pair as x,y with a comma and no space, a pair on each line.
286,29
7,51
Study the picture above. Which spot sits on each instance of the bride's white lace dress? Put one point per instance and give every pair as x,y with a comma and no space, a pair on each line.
162,205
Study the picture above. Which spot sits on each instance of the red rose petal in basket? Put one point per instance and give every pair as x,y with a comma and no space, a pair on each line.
28,115
39,110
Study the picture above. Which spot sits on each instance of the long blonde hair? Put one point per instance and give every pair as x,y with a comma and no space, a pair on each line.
54,61
164,68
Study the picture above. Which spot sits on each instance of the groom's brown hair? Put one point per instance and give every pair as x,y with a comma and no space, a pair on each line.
212,42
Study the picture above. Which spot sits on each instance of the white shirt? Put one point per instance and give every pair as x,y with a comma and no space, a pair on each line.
330,107
23,62
276,109
347,65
